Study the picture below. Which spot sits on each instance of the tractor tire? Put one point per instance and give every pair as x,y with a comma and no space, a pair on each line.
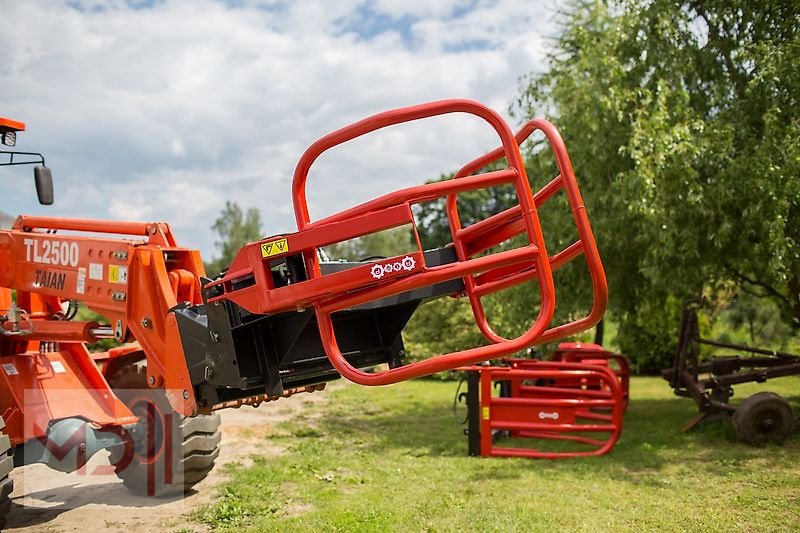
763,417
6,483
146,469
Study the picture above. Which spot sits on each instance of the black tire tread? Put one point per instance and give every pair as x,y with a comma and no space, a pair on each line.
6,483
744,425
6,464
200,446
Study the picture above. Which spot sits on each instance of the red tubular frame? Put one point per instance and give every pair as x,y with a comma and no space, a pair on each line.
550,412
248,282
594,354
492,231
534,253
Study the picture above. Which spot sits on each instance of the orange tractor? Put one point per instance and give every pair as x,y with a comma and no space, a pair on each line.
281,319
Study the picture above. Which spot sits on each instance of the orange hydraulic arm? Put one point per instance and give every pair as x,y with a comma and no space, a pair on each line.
132,281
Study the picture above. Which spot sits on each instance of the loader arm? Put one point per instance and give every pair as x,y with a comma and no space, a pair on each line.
280,319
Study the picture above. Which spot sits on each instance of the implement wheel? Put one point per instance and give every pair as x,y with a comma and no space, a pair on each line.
763,417
170,452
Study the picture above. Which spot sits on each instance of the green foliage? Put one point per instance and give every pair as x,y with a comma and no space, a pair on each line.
753,321
648,336
387,243
434,229
234,229
394,459
441,326
684,128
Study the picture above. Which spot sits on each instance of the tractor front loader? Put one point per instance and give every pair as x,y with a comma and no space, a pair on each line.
280,320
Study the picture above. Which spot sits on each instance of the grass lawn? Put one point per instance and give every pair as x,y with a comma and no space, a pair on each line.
393,458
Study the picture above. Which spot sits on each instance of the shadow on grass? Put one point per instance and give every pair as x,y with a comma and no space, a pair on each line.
651,439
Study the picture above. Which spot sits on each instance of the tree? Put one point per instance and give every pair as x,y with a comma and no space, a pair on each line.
386,243
235,229
683,123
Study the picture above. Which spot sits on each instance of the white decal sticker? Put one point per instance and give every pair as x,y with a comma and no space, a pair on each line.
379,270
10,369
96,271
51,252
58,367
80,288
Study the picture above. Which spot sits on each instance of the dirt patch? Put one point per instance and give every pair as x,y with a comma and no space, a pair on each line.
50,501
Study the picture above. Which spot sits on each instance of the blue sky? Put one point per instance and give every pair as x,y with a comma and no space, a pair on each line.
162,110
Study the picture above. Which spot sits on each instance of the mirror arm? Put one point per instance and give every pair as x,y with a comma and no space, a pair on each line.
13,153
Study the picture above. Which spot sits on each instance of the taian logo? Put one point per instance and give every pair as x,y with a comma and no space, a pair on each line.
552,416
379,270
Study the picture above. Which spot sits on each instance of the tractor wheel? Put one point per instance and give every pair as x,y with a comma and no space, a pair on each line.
6,483
172,452
763,417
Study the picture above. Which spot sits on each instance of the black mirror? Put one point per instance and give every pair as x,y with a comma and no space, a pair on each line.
44,184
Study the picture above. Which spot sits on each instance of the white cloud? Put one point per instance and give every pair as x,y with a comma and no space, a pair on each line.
167,111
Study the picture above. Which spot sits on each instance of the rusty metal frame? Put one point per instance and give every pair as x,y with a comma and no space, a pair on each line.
712,392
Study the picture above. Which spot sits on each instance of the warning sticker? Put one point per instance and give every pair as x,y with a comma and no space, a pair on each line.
80,288
485,413
268,249
96,271
10,369
58,367
117,274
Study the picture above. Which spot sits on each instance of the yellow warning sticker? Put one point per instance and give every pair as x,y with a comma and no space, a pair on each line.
117,274
485,413
278,247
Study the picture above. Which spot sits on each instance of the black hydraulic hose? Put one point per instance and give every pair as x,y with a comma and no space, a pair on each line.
459,398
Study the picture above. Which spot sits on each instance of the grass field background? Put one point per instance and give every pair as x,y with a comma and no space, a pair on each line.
393,458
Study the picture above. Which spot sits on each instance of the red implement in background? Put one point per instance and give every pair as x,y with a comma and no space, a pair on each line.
594,354
577,406
577,397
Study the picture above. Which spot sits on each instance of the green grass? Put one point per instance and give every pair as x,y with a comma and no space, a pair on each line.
393,458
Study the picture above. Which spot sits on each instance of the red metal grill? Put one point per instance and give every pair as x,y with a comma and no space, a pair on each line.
481,236
594,354
573,403
249,284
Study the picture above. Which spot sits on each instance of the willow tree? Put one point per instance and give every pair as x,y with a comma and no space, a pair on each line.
683,124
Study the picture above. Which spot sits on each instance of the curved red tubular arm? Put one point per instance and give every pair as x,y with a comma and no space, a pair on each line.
586,242
510,149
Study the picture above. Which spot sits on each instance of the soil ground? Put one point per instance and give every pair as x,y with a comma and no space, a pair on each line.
45,500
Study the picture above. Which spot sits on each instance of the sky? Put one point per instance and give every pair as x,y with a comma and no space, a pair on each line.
163,110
